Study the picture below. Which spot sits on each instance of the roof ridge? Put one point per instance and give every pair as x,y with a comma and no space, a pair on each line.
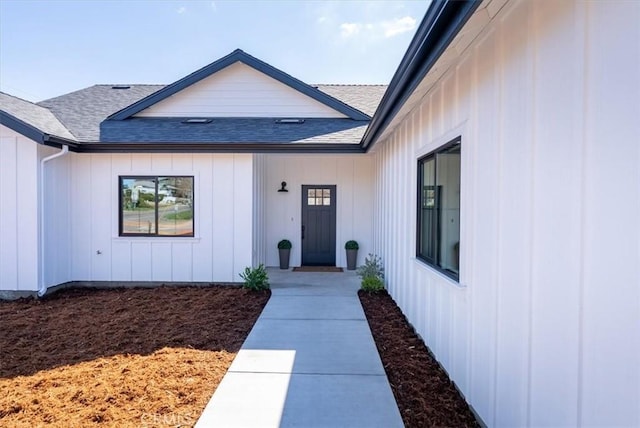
93,86
64,95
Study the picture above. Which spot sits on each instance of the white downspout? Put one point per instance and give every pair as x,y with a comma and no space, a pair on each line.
65,149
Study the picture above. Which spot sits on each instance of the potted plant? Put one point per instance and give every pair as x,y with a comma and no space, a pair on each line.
352,254
284,250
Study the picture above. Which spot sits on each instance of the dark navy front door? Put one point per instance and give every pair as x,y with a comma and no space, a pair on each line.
318,225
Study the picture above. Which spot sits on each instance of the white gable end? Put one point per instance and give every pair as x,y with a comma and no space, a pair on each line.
239,91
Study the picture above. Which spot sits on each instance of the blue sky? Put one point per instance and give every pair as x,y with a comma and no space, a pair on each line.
51,47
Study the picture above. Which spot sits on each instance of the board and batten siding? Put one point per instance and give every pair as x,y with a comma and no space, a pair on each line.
239,91
259,213
223,199
58,215
353,177
19,164
544,327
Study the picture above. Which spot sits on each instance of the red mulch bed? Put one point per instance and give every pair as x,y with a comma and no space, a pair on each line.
425,394
120,357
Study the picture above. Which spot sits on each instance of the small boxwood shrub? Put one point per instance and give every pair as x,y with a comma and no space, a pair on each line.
255,278
285,244
351,245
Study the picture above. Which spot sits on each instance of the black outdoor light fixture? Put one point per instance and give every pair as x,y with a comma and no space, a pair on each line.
283,187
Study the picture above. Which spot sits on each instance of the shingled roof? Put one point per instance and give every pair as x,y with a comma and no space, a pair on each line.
233,130
83,111
102,117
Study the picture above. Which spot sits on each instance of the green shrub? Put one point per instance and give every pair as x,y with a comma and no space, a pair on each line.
285,244
372,267
372,284
372,274
255,278
351,245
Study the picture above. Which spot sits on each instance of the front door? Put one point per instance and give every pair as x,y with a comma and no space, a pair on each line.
318,225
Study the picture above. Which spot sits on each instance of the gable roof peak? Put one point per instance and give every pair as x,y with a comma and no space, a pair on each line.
239,55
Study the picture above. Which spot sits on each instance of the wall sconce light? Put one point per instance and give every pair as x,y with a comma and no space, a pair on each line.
283,187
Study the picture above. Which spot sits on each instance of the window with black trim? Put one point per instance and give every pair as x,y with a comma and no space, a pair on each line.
438,240
156,205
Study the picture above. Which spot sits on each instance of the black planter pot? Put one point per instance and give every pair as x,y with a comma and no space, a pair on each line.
352,259
284,257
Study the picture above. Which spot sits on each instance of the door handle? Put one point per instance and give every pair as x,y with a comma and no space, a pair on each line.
303,231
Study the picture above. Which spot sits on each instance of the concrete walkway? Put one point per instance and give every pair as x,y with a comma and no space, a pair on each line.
310,361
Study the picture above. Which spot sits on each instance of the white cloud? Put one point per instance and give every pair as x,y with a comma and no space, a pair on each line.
377,30
214,6
349,29
321,19
182,10
398,26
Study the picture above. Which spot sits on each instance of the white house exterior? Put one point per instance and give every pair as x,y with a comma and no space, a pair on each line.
498,177
62,219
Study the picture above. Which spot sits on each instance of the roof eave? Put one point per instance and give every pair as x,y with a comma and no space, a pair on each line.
229,147
442,22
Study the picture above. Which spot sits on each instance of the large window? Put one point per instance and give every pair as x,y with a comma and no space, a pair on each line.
438,242
156,206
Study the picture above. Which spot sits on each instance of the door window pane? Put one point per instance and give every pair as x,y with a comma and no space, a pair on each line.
319,197
326,197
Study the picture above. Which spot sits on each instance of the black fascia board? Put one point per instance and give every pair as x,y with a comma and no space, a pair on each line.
233,57
442,22
217,148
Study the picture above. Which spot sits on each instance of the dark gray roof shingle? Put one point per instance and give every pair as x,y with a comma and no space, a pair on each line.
82,111
34,115
233,130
